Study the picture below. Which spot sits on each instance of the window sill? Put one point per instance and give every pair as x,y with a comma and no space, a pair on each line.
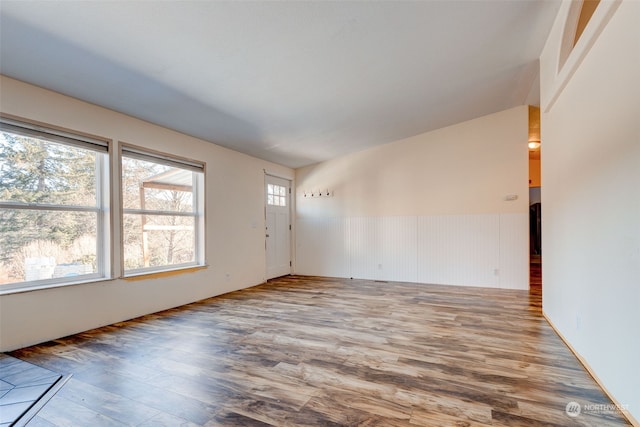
132,278
51,286
163,273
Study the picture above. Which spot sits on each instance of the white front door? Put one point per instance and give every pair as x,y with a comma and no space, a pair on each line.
278,226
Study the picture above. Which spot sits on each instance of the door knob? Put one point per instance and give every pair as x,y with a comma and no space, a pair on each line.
267,235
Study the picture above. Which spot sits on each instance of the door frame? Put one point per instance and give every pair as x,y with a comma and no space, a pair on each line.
291,209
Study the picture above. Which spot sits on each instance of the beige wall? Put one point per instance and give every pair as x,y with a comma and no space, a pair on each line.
591,197
467,168
234,227
394,199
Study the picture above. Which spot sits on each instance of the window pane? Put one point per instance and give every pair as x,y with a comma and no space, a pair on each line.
282,191
39,244
153,189
269,188
270,199
158,240
33,170
153,186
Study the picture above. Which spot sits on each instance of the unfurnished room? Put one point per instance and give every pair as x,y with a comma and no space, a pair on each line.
320,213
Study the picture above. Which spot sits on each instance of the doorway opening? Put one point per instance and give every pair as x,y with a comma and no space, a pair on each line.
535,201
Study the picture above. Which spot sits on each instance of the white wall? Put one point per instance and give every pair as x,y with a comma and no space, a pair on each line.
234,227
429,209
591,197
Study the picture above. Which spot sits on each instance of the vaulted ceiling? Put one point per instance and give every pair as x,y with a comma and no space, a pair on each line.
290,82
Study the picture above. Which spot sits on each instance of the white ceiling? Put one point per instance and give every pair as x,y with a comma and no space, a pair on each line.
290,82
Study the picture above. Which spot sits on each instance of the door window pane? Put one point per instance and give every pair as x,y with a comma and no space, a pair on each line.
276,195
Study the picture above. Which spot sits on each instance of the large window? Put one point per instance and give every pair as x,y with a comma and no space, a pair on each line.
162,221
53,206
55,213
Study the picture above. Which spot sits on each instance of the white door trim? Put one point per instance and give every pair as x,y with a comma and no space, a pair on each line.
280,262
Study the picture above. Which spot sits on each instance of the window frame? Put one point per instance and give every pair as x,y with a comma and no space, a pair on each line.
102,209
198,193
570,52
281,196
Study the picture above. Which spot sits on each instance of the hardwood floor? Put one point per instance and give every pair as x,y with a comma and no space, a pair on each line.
535,272
309,351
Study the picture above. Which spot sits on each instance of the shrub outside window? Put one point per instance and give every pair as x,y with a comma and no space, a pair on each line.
162,221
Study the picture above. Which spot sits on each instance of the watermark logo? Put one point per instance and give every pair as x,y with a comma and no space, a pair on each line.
599,408
573,409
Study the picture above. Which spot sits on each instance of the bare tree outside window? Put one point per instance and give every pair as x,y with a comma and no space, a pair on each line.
161,216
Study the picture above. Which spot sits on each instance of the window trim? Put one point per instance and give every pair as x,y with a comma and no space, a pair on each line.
568,56
146,154
33,129
55,134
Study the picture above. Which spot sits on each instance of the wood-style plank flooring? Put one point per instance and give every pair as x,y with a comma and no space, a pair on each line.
311,351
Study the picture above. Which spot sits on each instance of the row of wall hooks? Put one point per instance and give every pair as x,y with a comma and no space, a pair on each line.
318,193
